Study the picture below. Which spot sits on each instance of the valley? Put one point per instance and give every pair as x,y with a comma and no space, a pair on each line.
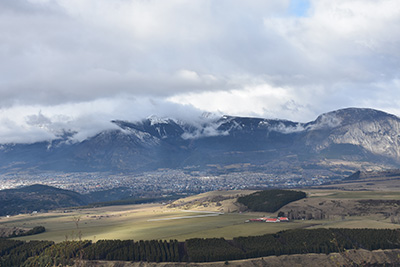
160,179
322,208
199,133
217,216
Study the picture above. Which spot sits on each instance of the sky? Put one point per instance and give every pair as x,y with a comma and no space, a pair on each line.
78,64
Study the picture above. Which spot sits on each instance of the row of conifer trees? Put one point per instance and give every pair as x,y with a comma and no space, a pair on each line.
297,241
128,250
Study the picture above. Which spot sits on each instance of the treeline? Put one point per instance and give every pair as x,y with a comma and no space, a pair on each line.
64,254
212,249
298,241
303,241
270,200
35,230
128,250
15,253
46,253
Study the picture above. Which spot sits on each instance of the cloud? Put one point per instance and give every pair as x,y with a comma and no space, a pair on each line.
342,53
207,129
256,100
289,129
326,120
84,50
276,59
38,120
43,123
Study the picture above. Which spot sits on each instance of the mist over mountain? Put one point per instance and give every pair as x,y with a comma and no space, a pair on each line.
340,141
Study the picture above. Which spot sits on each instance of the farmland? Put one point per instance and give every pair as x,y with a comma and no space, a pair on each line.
139,222
173,221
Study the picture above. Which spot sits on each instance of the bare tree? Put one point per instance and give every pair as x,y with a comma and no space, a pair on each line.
76,220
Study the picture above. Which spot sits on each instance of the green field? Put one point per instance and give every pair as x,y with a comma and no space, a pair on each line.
335,194
144,222
132,222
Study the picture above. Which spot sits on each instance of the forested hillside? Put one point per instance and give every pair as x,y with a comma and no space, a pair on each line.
270,200
36,198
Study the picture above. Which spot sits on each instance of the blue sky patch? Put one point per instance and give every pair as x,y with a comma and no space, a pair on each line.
299,8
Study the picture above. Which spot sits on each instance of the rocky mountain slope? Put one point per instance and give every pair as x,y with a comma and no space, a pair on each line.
340,141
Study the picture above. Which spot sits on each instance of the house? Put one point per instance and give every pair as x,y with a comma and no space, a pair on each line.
267,219
256,220
283,219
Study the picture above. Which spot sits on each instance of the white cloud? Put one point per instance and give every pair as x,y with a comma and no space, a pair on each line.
83,50
188,75
257,100
85,119
67,58
204,131
349,41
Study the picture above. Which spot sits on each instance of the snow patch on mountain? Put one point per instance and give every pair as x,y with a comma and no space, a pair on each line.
142,136
282,128
154,120
327,120
206,131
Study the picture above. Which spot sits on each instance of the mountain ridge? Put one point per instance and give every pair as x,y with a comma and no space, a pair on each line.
351,134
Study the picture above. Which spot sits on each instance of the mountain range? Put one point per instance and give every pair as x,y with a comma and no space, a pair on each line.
340,141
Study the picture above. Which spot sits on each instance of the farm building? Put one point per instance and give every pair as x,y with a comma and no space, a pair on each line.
267,219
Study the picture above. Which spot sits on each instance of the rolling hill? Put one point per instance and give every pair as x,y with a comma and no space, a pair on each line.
37,198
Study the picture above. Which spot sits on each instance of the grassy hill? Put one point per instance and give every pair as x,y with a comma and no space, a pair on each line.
37,198
219,201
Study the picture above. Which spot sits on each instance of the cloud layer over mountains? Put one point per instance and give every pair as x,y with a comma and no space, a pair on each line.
76,65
